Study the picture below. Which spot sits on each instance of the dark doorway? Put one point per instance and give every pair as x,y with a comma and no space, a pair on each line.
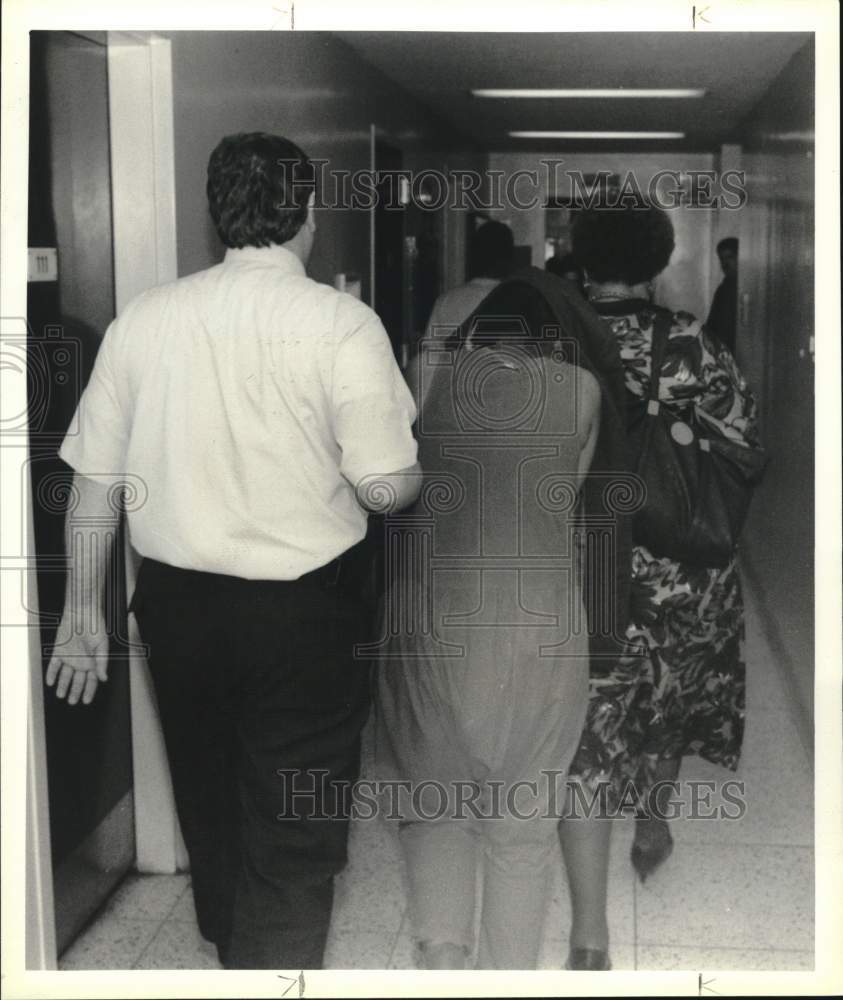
89,761
389,243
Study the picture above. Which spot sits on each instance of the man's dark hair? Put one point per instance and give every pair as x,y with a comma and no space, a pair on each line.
629,244
492,250
729,243
258,187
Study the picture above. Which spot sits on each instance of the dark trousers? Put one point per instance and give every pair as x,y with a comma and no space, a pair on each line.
262,703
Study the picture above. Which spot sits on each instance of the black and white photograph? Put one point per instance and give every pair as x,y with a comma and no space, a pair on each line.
421,500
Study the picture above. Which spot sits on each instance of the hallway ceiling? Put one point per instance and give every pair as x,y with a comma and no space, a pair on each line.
440,68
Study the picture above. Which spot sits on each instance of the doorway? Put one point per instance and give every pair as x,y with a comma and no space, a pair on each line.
407,242
389,285
102,185
88,748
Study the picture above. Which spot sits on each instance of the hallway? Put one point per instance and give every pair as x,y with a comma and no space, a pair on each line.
448,132
734,895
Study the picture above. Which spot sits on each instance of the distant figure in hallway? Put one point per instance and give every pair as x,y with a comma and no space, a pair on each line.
255,405
566,266
723,316
491,255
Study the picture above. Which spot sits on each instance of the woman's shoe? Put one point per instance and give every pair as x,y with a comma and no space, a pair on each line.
588,960
650,849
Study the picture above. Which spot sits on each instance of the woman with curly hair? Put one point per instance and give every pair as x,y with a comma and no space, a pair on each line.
679,688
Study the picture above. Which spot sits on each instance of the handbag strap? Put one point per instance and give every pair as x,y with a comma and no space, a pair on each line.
661,333
661,330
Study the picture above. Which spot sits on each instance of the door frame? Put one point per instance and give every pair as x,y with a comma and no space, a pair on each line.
140,85
144,221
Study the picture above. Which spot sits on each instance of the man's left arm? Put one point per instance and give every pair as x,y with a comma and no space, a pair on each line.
96,451
79,660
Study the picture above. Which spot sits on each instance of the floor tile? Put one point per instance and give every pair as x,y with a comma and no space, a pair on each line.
109,943
376,906
771,742
358,949
373,846
764,682
184,908
147,897
778,806
738,896
370,893
369,900
404,951
659,959
178,945
764,686
735,894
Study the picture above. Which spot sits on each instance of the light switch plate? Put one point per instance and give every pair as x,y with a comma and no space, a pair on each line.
43,264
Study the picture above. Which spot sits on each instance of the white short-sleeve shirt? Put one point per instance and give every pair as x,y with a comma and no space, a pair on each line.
249,400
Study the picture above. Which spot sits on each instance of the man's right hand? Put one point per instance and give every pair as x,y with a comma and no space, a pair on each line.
79,662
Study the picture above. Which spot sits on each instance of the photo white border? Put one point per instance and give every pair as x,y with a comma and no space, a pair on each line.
20,16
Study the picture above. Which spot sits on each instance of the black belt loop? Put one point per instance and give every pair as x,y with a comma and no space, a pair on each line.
348,564
333,571
137,594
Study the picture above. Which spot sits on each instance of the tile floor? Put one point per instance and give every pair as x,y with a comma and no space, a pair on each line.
734,894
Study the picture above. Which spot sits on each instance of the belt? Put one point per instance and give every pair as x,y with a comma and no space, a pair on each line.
337,573
328,575
351,564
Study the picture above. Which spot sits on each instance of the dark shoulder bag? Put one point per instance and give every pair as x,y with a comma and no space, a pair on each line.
698,486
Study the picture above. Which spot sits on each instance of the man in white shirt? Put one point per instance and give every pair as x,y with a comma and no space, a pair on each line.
260,410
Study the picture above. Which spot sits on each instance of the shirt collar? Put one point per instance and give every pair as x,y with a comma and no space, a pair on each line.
620,307
274,255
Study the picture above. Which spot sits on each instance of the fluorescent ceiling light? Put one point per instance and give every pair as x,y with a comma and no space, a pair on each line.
790,136
610,93
597,135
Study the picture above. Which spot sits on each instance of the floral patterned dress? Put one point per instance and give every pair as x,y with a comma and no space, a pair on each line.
680,687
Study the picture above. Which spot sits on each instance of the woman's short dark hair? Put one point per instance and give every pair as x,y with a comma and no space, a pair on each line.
258,187
623,244
562,265
492,250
